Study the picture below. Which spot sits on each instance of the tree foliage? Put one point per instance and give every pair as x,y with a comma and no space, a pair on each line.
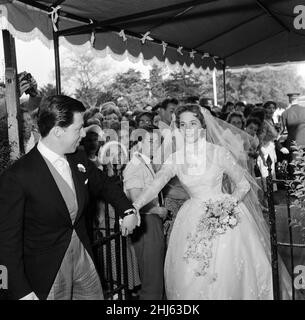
156,83
94,86
133,87
48,90
86,73
268,84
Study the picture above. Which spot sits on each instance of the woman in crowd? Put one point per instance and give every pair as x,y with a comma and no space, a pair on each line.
111,114
243,140
148,240
144,118
236,119
30,136
226,110
267,137
252,127
92,143
240,106
248,110
93,116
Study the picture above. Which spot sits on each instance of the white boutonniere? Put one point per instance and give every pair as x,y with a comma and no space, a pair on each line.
81,168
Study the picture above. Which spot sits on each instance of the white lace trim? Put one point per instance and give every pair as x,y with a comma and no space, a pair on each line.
38,34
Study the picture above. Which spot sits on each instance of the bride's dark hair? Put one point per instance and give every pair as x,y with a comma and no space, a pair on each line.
191,107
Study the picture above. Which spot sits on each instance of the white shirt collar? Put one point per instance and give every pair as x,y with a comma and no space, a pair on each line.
48,153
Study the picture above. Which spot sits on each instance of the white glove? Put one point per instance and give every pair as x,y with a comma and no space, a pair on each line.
284,150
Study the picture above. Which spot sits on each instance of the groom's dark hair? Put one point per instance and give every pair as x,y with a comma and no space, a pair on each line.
57,110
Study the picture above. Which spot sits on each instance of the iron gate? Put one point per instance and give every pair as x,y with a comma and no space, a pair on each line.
110,251
278,245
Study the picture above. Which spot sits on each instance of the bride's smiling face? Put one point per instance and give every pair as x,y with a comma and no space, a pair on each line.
190,126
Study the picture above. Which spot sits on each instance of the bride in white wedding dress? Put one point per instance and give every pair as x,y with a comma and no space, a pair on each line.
235,264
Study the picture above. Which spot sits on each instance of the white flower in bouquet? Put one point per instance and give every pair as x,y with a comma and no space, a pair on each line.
220,230
232,221
218,212
225,219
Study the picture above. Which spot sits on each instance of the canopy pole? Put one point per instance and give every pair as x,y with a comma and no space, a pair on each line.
57,62
224,82
214,87
14,123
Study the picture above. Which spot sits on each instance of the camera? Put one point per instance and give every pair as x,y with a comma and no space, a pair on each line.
31,91
27,77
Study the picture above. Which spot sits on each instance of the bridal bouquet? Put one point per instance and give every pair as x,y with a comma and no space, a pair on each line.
217,217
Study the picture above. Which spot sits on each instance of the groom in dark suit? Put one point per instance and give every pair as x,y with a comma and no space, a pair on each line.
44,243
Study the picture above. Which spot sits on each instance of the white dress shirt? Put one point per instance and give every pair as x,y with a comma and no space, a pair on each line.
59,162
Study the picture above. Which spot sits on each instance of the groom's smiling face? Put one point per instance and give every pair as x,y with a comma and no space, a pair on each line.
73,134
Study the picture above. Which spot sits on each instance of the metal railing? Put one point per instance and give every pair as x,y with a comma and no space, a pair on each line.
110,251
275,244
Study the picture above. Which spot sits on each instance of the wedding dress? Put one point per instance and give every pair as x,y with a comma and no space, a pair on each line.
239,265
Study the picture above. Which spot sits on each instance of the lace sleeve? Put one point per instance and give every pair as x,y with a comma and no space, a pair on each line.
236,173
167,171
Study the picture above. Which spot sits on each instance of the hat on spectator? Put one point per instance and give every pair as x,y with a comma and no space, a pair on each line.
293,95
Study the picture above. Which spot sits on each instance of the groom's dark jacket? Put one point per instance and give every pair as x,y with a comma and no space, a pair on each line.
35,225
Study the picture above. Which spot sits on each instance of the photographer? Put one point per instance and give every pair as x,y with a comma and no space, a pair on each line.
28,85
29,109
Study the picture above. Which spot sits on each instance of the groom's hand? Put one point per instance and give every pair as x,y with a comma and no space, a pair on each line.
128,224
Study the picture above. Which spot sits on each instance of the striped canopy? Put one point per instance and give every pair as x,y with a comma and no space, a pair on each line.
193,33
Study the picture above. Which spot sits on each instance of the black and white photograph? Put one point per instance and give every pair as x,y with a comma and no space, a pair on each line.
152,151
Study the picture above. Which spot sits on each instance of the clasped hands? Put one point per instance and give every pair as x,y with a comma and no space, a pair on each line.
130,222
